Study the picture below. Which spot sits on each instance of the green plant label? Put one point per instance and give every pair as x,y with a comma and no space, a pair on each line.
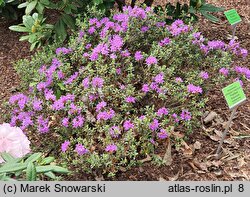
234,94
232,16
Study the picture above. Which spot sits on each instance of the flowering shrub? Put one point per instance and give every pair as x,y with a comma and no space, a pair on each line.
13,141
113,95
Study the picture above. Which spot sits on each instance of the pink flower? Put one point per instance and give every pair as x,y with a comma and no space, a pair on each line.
224,71
194,89
145,88
111,148
178,80
162,111
80,149
13,141
128,125
151,60
162,134
159,78
65,146
154,125
101,105
138,56
97,82
130,99
204,75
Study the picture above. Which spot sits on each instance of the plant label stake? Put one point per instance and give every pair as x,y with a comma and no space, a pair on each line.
234,96
233,18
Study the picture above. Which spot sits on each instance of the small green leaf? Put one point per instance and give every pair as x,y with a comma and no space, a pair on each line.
31,172
61,86
30,7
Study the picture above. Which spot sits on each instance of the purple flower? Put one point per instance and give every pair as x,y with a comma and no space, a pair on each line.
151,60
115,131
97,82
111,148
78,121
162,134
241,82
71,78
21,100
142,117
43,124
194,89
154,125
175,117
65,146
106,115
49,95
164,42
159,78
37,105
118,71
224,71
145,88
60,74
130,99
216,44
178,80
204,75
243,53
26,122
100,106
162,111
144,29
91,30
116,43
80,149
138,56
85,82
65,122
128,125
185,115
63,50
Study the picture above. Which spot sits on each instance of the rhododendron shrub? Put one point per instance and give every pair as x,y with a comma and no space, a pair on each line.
112,96
13,141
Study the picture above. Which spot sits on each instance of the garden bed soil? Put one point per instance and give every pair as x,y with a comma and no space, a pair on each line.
194,160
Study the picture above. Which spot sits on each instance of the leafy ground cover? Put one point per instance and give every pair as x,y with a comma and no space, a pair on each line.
199,168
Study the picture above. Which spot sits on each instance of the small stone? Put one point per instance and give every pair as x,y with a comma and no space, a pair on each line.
211,116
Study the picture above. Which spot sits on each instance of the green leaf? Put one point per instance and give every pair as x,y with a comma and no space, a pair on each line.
33,45
43,169
45,2
69,21
12,167
98,2
211,8
28,21
19,28
34,157
31,172
192,10
50,175
7,157
30,7
61,33
22,5
61,86
40,8
209,16
59,169
48,168
47,160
